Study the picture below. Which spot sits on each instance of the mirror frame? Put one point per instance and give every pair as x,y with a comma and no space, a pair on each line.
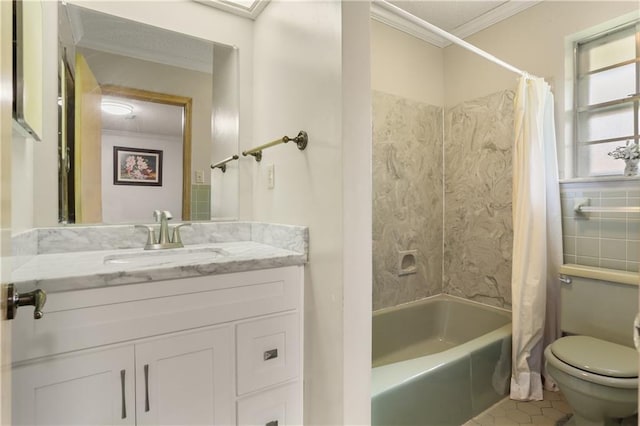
163,98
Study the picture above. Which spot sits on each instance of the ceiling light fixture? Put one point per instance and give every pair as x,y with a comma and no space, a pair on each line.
116,108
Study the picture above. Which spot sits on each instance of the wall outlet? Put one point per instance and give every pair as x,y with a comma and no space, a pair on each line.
199,176
271,176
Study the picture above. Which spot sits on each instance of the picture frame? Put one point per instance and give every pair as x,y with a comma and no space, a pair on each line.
137,166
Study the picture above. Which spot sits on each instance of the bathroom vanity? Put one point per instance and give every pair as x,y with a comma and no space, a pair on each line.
211,336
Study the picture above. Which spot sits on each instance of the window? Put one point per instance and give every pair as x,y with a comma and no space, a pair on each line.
606,98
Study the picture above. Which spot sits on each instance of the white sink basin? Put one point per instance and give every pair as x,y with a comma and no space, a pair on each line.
159,257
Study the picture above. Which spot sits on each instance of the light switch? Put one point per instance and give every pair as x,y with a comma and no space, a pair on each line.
199,176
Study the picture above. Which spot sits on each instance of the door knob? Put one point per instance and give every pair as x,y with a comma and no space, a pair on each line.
35,298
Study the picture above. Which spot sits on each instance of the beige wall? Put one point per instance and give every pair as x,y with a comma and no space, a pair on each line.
406,66
534,41
34,164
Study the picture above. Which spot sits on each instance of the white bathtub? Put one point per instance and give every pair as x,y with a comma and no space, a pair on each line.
439,361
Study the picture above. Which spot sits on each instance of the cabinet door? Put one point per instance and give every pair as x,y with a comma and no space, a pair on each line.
89,388
186,379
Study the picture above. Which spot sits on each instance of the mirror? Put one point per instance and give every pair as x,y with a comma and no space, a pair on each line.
137,119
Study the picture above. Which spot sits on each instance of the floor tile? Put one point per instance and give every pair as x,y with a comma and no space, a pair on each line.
542,421
552,413
561,406
515,413
504,421
529,408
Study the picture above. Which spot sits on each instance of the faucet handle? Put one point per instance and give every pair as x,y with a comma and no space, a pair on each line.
176,233
151,234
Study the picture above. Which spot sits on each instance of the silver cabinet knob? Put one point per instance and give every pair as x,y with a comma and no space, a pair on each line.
36,298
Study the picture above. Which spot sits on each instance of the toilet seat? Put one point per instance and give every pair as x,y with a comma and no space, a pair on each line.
597,356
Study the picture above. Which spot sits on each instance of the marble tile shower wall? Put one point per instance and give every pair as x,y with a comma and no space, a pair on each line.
605,240
407,198
478,230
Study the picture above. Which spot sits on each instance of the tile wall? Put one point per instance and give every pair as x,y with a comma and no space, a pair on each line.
464,236
478,230
200,202
407,198
607,239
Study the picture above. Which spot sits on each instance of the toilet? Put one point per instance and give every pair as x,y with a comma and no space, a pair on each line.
596,365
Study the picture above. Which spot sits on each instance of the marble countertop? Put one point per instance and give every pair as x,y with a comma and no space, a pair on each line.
67,258
57,272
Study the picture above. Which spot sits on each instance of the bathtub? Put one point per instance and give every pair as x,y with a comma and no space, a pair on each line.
438,361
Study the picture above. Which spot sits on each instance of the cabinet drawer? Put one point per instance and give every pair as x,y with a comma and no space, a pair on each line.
276,407
268,351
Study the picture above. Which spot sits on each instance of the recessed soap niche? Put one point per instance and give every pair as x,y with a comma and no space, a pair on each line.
407,262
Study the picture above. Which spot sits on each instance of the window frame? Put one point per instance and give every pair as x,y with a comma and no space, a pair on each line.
579,168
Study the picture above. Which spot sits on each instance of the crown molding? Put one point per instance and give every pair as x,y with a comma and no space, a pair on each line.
480,23
237,9
500,13
400,23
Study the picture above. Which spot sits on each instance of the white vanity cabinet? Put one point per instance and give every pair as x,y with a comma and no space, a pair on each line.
221,349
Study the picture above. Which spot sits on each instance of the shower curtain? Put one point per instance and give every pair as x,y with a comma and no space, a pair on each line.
537,239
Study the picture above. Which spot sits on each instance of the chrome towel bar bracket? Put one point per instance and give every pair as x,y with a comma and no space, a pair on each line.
222,165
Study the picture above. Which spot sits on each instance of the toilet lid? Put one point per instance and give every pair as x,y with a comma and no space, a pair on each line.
597,356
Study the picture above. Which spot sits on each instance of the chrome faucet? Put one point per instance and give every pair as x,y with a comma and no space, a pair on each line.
164,240
163,217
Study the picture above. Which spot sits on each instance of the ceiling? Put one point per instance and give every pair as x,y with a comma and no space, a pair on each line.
448,15
107,33
460,18
100,32
147,118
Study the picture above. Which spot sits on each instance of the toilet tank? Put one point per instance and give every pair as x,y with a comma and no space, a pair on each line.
598,308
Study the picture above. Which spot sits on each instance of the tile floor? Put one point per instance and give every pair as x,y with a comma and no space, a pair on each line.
552,411
514,413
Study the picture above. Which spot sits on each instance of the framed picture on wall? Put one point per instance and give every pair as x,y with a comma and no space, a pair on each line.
136,166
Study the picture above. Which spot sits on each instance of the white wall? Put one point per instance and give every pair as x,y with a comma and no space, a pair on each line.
139,74
406,66
132,203
357,153
297,79
311,73
224,186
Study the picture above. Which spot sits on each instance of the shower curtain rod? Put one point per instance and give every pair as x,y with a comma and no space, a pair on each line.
442,33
